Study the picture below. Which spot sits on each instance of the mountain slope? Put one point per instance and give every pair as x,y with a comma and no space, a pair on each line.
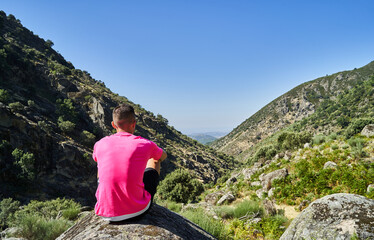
51,114
293,106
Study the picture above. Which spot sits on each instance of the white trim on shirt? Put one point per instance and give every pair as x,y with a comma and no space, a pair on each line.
127,216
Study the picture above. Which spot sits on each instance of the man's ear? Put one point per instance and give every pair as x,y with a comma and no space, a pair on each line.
114,125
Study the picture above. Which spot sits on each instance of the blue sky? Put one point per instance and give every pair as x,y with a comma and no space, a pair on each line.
205,65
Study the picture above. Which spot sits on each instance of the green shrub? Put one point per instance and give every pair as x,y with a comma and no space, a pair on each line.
33,227
4,96
7,209
179,186
319,139
209,224
241,209
44,126
71,213
87,137
65,126
48,209
267,152
273,227
31,103
66,110
16,106
26,162
292,140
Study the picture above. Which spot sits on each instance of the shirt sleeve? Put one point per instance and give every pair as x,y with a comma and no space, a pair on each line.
156,152
94,154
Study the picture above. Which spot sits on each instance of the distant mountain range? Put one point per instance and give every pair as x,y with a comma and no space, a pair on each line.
208,137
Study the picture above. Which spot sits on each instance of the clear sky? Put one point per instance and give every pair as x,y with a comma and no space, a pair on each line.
205,65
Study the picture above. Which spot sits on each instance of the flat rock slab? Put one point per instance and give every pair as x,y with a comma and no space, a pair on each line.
338,216
158,223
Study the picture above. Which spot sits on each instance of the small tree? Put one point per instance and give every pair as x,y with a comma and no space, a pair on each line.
179,186
87,137
65,126
26,162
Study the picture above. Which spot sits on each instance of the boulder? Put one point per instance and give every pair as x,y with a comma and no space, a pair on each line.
269,207
228,198
336,216
231,181
368,130
267,180
330,165
158,223
212,198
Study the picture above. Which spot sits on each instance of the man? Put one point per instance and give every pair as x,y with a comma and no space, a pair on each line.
128,169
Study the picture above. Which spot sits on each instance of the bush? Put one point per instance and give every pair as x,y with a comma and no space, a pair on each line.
244,208
356,126
4,96
47,209
26,162
209,224
44,126
7,209
65,126
66,110
267,152
87,137
33,227
291,140
179,186
319,139
16,106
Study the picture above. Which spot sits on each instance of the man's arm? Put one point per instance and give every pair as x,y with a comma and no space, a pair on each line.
163,156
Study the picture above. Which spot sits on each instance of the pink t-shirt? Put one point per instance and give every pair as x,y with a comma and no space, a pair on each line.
121,160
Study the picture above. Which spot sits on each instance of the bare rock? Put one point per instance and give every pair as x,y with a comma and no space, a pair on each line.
231,181
247,173
227,198
330,165
255,183
271,193
269,207
368,130
260,193
158,223
268,179
212,198
336,216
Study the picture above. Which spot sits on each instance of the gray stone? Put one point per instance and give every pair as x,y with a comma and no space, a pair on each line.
267,180
260,193
330,165
158,223
271,193
255,183
247,173
227,198
336,216
231,181
368,130
370,188
307,145
269,207
212,198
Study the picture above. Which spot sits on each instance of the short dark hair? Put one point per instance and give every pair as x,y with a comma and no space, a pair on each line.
124,113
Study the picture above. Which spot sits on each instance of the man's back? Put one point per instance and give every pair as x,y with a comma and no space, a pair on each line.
122,158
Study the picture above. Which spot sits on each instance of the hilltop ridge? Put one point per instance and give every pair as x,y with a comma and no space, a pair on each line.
293,106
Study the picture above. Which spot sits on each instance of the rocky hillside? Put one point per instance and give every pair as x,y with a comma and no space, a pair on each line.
51,114
289,108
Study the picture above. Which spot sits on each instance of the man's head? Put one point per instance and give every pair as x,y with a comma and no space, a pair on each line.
124,118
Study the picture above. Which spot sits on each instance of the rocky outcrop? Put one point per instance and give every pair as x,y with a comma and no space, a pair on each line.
267,180
336,216
158,223
368,130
